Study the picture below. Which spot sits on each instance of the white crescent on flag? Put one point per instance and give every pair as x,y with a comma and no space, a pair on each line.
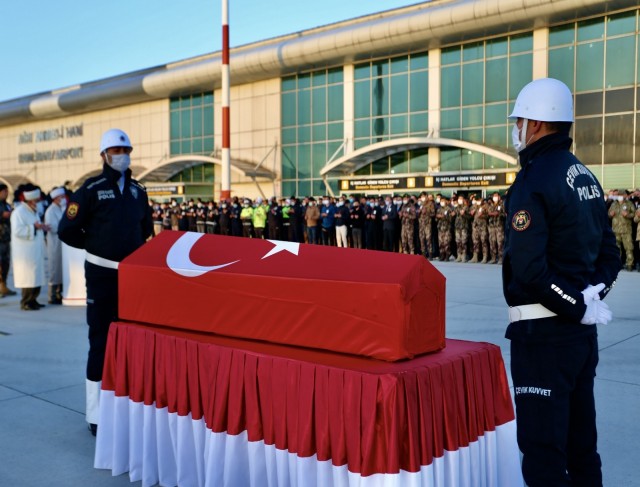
280,245
178,259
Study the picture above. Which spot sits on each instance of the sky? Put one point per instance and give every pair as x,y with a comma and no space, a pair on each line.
47,45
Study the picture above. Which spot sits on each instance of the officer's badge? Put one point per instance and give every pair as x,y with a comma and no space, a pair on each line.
521,221
72,210
134,191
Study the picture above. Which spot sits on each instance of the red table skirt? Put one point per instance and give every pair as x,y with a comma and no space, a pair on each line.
185,408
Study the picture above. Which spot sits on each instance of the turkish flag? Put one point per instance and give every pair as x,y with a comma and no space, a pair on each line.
377,304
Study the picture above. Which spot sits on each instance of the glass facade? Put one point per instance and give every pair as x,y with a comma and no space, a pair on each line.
479,83
391,101
312,107
191,124
598,60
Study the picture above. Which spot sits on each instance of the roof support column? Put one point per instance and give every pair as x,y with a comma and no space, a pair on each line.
348,113
434,107
540,53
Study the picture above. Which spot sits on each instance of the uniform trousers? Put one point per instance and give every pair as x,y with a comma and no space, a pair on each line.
555,410
102,309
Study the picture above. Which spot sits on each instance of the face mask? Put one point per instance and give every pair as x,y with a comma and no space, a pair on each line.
351,200
287,202
495,199
518,136
620,198
325,202
437,200
119,162
246,205
460,201
388,202
423,199
224,205
340,203
405,201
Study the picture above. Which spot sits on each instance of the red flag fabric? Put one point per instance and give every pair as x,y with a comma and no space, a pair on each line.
376,304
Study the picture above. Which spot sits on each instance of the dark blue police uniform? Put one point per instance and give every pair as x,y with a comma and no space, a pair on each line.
557,242
109,225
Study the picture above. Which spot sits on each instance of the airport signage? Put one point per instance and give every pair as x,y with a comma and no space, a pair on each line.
49,135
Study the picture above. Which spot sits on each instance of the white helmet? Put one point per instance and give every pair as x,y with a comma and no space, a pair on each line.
544,100
114,138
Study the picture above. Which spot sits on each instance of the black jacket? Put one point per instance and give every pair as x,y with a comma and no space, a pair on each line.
104,221
557,234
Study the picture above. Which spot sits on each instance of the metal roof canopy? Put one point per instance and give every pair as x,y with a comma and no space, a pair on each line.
13,181
360,158
167,169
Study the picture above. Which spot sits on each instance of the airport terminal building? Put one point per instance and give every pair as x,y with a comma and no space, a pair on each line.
404,100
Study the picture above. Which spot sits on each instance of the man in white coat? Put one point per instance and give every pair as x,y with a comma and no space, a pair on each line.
52,217
27,248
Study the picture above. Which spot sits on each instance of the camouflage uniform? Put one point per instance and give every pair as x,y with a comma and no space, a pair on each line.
408,216
621,214
444,216
462,231
480,232
496,230
427,212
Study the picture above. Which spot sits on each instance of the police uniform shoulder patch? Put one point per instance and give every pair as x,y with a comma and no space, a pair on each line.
521,220
134,191
72,210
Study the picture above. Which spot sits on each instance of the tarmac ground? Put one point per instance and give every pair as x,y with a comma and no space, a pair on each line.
44,439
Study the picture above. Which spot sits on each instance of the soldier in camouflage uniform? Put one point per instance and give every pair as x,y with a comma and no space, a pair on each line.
496,228
407,217
427,212
480,230
5,241
463,218
444,215
621,213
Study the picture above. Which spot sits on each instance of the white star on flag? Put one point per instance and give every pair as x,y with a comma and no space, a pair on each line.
280,245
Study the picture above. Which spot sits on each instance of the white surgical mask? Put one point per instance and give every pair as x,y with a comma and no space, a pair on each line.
120,162
518,136
495,199
325,202
460,201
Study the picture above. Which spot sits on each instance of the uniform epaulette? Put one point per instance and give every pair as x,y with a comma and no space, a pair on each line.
139,185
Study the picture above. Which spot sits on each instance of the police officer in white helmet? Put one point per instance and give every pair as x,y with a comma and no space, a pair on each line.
560,261
109,217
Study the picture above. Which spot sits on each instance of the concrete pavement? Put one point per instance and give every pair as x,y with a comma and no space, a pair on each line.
44,438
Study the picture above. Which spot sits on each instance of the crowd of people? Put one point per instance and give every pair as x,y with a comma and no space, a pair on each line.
464,228
461,229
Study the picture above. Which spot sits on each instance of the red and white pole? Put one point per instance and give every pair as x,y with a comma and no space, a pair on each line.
226,138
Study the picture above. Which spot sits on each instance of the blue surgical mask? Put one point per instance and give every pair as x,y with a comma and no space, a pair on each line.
120,162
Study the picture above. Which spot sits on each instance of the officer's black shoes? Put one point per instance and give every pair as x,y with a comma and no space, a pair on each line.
93,428
35,304
55,301
29,307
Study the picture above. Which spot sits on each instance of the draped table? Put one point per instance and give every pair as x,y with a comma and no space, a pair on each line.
191,409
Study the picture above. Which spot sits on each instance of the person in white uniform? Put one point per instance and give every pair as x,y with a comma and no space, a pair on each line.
28,248
52,218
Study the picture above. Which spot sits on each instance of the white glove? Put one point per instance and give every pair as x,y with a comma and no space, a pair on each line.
592,292
597,313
